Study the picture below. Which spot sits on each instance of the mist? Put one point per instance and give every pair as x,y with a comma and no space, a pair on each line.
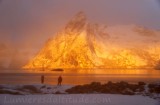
25,25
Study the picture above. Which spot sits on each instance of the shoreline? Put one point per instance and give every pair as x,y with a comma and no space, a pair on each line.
110,87
76,77
110,93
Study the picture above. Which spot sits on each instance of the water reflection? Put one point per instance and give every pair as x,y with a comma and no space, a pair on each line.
113,71
81,76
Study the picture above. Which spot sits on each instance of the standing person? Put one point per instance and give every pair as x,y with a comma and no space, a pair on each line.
59,80
42,79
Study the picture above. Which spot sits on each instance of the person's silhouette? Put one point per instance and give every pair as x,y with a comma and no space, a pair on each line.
42,79
59,80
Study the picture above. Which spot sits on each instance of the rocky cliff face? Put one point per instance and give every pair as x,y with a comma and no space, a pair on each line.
85,45
74,47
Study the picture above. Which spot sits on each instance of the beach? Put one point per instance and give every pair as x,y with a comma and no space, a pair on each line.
38,94
24,87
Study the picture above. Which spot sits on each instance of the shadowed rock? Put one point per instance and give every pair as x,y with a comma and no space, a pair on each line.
110,87
10,92
30,88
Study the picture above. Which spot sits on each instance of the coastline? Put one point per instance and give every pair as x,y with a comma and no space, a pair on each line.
117,93
122,87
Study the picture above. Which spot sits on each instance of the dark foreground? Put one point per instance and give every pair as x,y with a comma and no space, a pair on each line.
117,88
124,88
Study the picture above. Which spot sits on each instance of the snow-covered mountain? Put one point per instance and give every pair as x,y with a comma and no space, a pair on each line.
82,44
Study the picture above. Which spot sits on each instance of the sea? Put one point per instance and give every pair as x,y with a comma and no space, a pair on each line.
79,76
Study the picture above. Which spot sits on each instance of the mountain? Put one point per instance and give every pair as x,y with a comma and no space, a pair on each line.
81,44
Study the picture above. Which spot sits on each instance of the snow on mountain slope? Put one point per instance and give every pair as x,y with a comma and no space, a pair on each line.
82,44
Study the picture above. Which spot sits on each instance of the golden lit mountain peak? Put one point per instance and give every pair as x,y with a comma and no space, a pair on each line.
76,24
84,45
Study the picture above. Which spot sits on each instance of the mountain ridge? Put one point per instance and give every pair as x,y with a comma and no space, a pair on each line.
86,45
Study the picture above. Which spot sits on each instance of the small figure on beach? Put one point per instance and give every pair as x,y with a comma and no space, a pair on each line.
42,79
59,80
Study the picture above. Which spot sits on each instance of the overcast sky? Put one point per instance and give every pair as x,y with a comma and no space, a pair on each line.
29,23
21,20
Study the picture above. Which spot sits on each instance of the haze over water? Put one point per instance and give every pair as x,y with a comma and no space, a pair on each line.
81,76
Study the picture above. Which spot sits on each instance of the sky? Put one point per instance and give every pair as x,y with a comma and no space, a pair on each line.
25,25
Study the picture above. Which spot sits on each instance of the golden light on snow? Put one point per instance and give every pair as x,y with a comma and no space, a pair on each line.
85,45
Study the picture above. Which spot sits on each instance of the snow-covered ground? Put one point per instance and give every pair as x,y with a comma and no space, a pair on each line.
76,99
33,89
49,95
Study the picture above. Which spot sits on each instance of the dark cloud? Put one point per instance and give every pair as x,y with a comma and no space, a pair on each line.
158,1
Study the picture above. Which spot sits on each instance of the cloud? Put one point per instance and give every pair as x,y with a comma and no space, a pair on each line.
158,1
2,46
27,24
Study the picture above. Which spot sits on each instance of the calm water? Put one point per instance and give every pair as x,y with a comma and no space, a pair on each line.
81,76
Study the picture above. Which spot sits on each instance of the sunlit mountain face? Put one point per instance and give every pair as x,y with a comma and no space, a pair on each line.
81,44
